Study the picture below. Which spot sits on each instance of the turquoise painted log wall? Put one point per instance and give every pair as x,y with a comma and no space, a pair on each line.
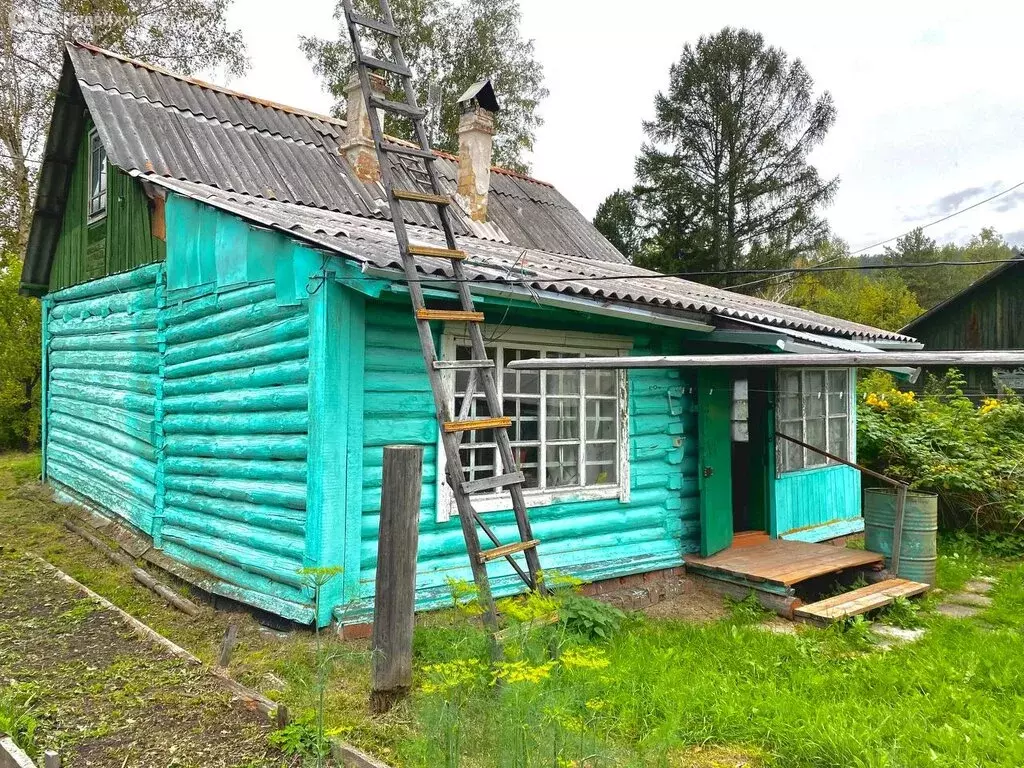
594,539
102,358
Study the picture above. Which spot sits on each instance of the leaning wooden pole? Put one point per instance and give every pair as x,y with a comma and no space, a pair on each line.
395,596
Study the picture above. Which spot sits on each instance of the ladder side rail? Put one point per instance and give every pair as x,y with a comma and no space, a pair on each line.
454,469
494,404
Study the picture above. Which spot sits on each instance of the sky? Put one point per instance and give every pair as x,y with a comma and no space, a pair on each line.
930,113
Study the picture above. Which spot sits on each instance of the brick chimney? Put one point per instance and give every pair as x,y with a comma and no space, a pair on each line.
477,107
358,146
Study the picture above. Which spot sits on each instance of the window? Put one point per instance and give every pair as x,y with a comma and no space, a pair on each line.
97,178
567,433
814,407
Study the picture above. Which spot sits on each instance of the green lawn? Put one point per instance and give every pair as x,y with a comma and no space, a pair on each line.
658,693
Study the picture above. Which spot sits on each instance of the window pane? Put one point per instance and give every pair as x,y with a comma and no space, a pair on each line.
528,461
838,432
814,395
838,394
524,382
815,437
562,469
789,395
602,419
792,456
563,418
563,382
602,464
600,383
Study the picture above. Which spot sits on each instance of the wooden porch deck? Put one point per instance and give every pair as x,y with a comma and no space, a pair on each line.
780,563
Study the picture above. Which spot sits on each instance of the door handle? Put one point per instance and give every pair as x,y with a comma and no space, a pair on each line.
708,471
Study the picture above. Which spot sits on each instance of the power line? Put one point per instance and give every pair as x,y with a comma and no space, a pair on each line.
880,243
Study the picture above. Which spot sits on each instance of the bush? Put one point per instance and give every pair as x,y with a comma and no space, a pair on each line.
588,618
971,456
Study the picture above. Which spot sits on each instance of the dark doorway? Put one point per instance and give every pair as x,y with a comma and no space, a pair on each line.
752,404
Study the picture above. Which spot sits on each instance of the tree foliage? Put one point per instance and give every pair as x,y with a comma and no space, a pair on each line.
450,44
880,299
725,180
968,454
185,35
932,285
616,219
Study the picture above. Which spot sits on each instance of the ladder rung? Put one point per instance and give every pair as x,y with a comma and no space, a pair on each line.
453,315
507,549
371,23
421,197
461,365
399,107
487,483
387,66
441,253
498,422
401,149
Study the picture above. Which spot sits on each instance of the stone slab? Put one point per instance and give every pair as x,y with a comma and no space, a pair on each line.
969,598
978,586
955,611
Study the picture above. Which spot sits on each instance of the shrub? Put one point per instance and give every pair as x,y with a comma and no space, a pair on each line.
971,456
589,618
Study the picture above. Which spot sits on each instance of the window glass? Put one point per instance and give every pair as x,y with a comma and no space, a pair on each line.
565,429
97,178
814,407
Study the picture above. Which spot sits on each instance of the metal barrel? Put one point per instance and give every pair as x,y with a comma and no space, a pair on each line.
918,549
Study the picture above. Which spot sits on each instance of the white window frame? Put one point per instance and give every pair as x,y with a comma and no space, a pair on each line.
591,345
850,414
98,214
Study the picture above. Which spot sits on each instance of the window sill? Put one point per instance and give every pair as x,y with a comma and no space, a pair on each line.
503,503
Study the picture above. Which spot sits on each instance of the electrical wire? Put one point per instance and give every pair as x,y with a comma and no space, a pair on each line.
880,243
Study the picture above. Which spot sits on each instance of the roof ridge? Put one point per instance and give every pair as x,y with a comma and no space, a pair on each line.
274,104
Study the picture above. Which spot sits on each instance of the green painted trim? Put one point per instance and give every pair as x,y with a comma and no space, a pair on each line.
827,531
336,343
351,276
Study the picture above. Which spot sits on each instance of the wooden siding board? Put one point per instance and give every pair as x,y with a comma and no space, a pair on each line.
811,498
120,242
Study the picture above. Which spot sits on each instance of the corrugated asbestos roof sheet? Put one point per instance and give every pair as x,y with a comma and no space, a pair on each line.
373,243
156,122
280,167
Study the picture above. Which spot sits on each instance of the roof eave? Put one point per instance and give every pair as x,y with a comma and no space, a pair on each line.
66,125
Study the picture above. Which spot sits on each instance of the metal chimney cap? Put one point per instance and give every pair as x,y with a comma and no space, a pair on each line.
480,93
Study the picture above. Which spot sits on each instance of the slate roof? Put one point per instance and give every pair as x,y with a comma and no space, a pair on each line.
280,167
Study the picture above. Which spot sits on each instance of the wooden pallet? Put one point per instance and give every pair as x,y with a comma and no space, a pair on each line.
859,601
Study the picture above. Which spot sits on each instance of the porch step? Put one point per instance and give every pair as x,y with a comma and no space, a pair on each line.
859,601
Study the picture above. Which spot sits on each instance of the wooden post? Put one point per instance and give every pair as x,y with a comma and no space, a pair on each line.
394,600
227,646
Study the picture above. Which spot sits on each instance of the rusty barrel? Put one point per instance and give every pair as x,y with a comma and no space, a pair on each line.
918,548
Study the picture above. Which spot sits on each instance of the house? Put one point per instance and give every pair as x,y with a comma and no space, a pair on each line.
228,345
987,314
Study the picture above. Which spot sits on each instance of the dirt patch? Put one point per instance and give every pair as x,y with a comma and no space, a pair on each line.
693,602
105,697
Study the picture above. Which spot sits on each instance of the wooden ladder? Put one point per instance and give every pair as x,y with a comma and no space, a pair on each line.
480,369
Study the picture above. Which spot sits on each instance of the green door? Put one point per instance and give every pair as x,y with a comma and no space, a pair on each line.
714,435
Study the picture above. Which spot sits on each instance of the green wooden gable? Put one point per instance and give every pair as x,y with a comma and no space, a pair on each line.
119,242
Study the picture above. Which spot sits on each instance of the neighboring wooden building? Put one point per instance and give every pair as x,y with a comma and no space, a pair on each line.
228,345
988,314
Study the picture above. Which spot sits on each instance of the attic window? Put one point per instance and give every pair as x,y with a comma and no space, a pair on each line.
97,178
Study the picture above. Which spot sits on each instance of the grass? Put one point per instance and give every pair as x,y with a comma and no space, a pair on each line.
655,693
18,717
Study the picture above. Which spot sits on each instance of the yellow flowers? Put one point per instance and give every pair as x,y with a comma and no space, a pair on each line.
886,400
879,403
535,606
521,672
988,405
451,675
584,658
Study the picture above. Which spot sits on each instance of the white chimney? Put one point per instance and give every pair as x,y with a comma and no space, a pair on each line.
358,146
477,107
